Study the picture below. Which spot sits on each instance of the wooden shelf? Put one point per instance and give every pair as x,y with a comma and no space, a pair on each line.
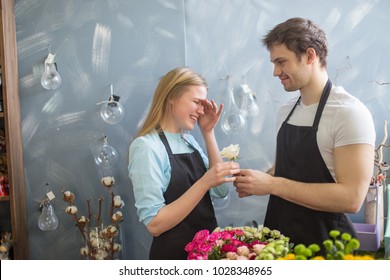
4,198
11,119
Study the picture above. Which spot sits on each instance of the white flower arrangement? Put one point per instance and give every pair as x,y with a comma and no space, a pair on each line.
100,240
231,152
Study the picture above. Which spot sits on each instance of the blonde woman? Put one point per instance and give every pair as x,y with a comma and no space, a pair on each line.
172,177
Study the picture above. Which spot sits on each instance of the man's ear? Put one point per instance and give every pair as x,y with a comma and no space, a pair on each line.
311,55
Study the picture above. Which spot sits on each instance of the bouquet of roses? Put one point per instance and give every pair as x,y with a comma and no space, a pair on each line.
240,243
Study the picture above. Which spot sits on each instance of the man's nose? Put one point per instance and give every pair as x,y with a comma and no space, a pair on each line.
277,71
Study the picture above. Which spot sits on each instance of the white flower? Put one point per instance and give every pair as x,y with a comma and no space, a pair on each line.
243,251
231,152
258,248
231,255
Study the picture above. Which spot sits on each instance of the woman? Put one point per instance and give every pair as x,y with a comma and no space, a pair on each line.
171,175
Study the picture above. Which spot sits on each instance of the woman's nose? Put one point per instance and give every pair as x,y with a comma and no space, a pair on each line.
200,109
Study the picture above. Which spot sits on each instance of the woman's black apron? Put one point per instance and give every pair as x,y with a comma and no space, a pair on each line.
186,170
298,158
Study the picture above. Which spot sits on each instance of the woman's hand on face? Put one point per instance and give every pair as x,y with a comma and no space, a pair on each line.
211,115
222,172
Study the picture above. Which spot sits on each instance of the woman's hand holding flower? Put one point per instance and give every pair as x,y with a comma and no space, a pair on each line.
222,172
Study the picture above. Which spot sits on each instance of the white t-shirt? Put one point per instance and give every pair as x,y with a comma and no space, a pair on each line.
344,121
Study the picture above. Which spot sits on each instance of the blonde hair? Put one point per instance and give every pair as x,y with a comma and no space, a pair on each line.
170,87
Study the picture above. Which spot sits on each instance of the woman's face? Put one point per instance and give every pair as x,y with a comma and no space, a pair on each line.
186,110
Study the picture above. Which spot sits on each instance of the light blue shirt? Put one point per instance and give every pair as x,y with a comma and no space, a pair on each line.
150,171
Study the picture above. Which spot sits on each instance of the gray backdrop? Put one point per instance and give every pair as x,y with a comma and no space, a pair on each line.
131,44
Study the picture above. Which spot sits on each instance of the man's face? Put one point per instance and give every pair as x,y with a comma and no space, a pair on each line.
291,70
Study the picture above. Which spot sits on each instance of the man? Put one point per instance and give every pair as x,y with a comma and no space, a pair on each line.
325,143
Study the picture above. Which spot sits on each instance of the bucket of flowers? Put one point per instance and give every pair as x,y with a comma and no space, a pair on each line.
238,243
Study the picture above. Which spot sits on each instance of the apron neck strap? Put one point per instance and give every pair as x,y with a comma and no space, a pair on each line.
321,105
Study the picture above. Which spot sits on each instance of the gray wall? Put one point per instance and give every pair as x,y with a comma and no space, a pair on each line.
131,44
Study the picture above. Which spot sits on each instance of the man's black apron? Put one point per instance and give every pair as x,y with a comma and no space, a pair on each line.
298,158
186,170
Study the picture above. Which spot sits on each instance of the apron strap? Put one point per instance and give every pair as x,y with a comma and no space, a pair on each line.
321,106
293,109
166,144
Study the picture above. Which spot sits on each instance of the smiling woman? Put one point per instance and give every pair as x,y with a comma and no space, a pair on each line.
186,109
171,175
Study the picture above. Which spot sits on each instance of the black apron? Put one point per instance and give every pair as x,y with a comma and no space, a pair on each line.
298,158
186,170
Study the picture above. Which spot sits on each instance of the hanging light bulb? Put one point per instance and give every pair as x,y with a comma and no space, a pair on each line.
249,103
50,77
106,155
232,120
48,219
112,111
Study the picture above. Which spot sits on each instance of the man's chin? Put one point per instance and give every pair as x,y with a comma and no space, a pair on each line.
288,89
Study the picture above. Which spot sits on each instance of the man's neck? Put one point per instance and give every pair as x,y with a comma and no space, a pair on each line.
311,93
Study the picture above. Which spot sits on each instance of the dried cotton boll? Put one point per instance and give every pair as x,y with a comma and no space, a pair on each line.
84,251
118,202
117,217
93,234
96,242
101,255
117,247
107,245
113,231
71,210
105,233
68,196
82,221
108,181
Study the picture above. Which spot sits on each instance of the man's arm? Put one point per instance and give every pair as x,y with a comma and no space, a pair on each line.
353,167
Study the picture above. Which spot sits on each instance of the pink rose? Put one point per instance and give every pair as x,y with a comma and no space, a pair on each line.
214,236
204,248
228,248
201,235
190,246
